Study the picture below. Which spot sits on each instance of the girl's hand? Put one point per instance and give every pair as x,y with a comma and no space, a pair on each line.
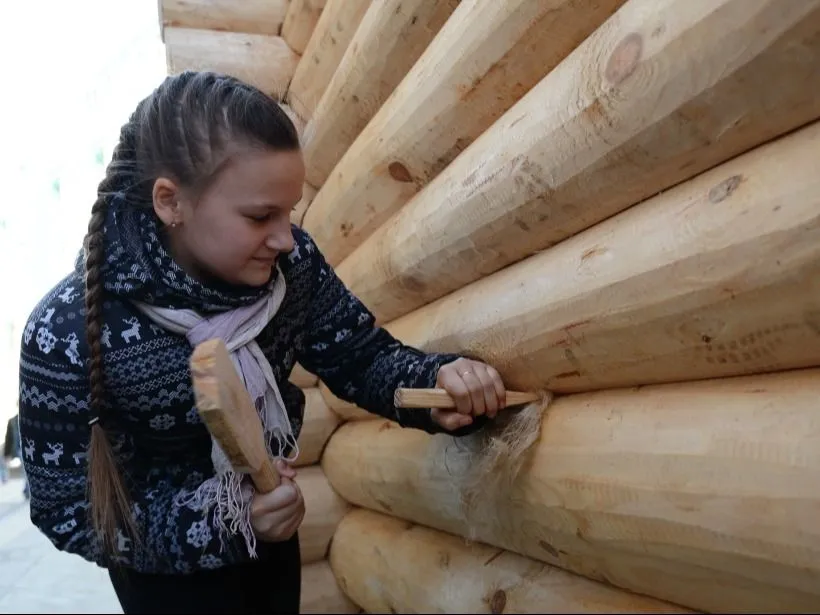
276,516
475,387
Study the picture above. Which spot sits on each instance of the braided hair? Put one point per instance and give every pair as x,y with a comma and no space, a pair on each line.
182,131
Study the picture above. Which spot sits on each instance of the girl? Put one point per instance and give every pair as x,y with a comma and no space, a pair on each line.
190,239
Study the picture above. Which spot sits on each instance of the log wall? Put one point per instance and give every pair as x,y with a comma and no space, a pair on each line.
612,200
249,16
702,493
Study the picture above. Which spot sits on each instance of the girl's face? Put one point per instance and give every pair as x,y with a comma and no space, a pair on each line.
240,224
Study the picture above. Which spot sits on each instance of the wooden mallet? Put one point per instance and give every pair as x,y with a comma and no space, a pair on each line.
229,413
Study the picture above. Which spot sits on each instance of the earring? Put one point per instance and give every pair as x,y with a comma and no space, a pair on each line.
173,224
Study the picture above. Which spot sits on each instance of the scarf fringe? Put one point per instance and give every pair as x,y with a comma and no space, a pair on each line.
230,496
231,500
283,438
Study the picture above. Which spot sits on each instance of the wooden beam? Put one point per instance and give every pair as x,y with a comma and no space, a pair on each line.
718,276
389,566
485,58
703,494
324,509
298,213
345,410
321,593
324,51
249,16
264,61
662,91
391,37
300,22
298,122
318,425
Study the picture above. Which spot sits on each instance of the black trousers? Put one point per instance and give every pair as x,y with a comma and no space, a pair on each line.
270,584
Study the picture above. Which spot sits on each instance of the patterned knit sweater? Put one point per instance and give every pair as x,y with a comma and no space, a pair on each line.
162,446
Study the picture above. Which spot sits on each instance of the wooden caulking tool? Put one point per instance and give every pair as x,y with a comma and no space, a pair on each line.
439,398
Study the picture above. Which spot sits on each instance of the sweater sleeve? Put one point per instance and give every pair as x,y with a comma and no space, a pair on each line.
54,413
361,363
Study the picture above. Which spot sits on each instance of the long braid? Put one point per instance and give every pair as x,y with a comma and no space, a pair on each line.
107,492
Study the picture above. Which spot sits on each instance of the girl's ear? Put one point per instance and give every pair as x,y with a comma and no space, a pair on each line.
166,201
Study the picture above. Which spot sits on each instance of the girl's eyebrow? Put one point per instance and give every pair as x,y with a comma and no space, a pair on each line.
260,205
270,205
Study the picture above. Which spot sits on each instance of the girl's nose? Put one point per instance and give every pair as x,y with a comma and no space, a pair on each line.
280,240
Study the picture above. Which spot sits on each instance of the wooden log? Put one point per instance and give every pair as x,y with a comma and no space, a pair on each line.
391,37
318,425
302,378
262,60
294,117
324,51
703,494
659,93
344,409
388,565
485,58
300,22
298,214
249,16
719,276
321,592
324,509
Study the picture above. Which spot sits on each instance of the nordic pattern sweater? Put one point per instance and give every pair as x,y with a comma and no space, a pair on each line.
162,446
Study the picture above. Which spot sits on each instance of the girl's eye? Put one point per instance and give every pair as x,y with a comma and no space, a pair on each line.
262,218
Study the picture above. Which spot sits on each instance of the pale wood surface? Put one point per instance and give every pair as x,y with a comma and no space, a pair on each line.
388,565
294,117
391,37
324,51
251,16
703,494
300,21
485,58
719,276
298,213
324,509
318,425
321,593
662,91
344,409
261,60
